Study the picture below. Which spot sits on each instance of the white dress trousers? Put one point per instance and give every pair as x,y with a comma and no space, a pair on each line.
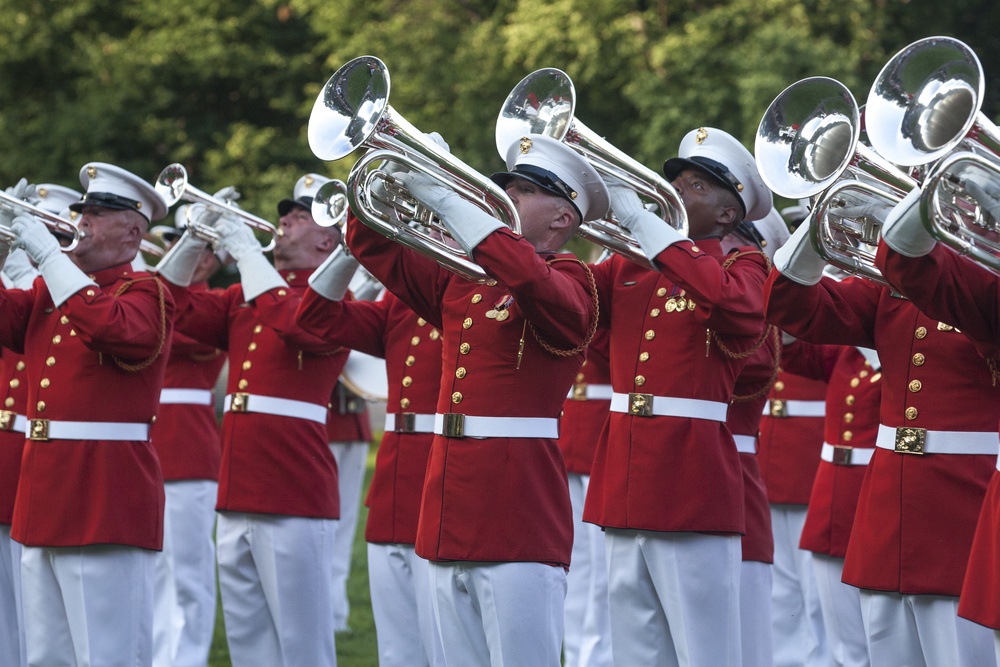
755,614
184,593
88,606
277,589
922,631
499,614
587,626
352,458
11,610
797,617
400,585
841,603
675,598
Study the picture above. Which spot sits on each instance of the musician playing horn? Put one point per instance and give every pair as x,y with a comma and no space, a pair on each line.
935,451
495,519
278,503
89,507
667,484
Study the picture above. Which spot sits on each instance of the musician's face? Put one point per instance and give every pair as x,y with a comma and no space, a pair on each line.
300,238
537,209
111,237
710,212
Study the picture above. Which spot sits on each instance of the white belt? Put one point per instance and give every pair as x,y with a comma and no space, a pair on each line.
409,422
647,405
280,407
778,407
186,396
907,440
45,429
846,456
746,444
590,392
11,421
453,425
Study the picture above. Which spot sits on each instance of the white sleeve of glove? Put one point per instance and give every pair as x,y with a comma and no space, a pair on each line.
904,230
797,259
63,277
180,262
467,223
986,192
257,275
332,278
19,270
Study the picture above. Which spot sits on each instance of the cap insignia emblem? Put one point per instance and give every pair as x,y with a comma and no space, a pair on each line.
43,192
309,181
700,137
525,145
91,172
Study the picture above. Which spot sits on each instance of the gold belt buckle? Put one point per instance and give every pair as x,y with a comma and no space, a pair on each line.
580,391
454,425
842,455
406,422
7,420
38,429
239,402
910,440
640,405
778,408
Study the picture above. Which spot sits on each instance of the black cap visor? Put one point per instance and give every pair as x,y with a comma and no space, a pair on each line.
673,167
543,178
108,200
286,205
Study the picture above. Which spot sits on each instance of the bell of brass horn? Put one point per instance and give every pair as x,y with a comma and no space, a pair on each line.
173,185
544,102
808,143
58,226
351,112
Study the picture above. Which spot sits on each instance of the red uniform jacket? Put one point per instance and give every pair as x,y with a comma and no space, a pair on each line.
963,294
185,435
749,398
853,397
83,492
14,386
675,473
348,420
582,417
271,464
790,445
916,513
494,499
412,350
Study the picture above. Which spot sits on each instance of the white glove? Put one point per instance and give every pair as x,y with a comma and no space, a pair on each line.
986,192
257,275
21,191
878,210
797,259
62,276
394,168
19,270
332,278
205,216
904,230
179,264
650,230
35,238
467,223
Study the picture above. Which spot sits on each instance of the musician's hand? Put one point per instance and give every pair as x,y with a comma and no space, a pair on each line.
877,210
426,190
625,204
237,238
35,238
986,192
20,191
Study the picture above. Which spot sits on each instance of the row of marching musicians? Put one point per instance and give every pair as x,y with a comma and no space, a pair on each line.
472,512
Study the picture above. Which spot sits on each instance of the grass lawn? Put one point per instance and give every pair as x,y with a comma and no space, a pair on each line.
356,648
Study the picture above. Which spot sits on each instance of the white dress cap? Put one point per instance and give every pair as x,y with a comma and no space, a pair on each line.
303,193
112,187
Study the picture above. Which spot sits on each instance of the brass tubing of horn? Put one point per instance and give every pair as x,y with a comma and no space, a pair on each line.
55,224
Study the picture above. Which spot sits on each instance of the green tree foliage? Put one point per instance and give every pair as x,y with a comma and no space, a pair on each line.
226,87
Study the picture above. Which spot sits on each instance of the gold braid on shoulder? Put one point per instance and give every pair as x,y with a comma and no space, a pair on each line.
593,324
767,330
161,293
776,344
